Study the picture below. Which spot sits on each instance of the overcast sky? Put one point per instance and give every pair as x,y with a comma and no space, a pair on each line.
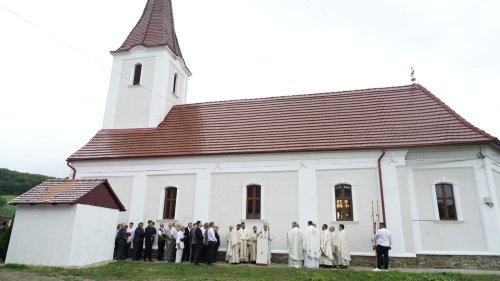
55,61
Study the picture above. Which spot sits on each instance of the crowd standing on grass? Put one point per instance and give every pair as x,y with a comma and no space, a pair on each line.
199,243
314,248
196,243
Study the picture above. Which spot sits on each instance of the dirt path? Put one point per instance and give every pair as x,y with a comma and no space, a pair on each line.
8,275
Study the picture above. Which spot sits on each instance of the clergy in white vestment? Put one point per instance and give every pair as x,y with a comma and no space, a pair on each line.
326,248
234,246
294,244
244,236
179,243
266,233
333,237
228,236
252,244
312,246
343,248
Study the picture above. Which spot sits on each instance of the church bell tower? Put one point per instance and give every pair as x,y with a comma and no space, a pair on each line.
149,75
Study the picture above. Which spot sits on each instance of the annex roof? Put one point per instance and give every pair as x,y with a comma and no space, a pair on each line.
394,117
154,28
95,192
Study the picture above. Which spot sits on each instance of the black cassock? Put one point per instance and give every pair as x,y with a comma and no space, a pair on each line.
149,236
138,243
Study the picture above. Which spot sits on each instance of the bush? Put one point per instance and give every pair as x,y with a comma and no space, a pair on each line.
4,241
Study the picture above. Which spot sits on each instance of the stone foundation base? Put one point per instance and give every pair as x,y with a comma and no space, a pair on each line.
421,261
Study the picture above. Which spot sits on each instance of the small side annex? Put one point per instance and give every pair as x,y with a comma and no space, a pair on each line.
65,223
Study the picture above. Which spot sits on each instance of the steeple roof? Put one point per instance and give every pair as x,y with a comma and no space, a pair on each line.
154,28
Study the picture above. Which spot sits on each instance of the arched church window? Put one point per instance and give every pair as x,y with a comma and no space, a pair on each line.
343,202
169,204
446,201
137,74
253,201
174,87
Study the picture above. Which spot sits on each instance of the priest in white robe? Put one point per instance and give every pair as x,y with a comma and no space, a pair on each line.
326,259
228,236
233,246
244,237
252,244
343,248
294,244
333,237
266,233
312,246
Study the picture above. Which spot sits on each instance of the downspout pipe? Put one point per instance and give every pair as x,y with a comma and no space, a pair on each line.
72,168
381,186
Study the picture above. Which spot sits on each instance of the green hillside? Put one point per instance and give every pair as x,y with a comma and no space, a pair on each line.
7,210
16,183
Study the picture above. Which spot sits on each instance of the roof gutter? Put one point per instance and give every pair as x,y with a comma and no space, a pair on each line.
72,168
381,185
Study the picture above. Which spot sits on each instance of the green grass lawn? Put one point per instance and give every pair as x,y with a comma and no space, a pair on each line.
127,270
8,210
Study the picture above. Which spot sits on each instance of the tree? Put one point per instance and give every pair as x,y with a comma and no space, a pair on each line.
16,183
4,241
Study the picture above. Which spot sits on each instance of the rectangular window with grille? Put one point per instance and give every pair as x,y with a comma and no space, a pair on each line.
253,202
446,201
343,202
170,201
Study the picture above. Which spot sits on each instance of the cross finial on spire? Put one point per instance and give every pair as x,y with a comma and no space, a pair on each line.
413,79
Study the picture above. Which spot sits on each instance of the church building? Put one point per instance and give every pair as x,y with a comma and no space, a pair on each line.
433,176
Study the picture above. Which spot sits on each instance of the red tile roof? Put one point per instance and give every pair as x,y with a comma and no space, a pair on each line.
95,192
396,117
154,28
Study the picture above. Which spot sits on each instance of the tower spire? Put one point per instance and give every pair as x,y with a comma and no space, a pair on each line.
154,28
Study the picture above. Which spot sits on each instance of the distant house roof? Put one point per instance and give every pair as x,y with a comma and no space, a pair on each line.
395,117
154,28
95,192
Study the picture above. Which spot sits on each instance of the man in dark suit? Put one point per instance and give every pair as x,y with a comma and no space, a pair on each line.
193,242
162,237
122,242
138,241
199,243
149,237
187,242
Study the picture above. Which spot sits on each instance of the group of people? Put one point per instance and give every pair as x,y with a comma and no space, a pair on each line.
199,243
313,248
242,243
195,243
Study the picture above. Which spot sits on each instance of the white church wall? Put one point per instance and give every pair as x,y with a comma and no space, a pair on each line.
405,200
155,197
496,180
42,235
279,202
365,190
409,174
448,236
93,238
122,186
133,102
